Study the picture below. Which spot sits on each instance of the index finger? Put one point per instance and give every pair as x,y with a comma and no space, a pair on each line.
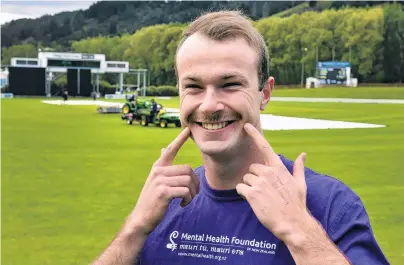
269,155
167,157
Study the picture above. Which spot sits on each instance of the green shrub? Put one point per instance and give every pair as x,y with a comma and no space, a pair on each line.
106,88
162,91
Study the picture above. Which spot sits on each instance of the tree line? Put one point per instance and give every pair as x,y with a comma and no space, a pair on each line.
110,18
372,39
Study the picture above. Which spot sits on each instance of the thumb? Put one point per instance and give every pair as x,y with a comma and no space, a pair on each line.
298,168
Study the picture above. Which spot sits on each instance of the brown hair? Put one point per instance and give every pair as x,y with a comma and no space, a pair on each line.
223,25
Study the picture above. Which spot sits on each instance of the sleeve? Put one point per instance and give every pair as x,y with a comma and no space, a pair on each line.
351,231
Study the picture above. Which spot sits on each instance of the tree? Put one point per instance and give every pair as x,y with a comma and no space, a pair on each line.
24,50
393,43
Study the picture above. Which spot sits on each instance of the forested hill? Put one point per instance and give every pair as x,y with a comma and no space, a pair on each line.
118,18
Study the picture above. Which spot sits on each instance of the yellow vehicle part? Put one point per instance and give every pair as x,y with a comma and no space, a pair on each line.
125,109
161,112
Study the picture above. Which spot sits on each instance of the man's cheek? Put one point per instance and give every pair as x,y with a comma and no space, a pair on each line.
184,121
184,114
187,107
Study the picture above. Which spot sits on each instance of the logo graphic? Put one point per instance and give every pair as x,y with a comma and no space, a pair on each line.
172,245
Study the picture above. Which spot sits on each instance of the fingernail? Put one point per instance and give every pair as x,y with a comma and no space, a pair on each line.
248,126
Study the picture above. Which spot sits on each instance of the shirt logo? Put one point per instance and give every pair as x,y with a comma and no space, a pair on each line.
173,245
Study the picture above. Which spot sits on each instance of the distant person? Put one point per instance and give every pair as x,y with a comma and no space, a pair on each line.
65,96
154,109
246,204
94,95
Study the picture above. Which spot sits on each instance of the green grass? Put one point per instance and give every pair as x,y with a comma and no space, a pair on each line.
344,92
70,176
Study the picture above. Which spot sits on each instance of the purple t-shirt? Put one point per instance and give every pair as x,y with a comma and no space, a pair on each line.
220,227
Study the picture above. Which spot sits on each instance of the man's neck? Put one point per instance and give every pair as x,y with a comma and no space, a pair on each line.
225,172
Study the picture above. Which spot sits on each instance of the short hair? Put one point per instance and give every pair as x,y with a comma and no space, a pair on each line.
224,25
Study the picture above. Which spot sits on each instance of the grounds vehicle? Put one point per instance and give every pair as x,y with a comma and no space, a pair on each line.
141,111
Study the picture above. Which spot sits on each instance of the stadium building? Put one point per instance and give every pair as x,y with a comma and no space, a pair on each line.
34,76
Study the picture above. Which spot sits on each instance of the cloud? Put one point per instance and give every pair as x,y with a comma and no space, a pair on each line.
33,9
6,17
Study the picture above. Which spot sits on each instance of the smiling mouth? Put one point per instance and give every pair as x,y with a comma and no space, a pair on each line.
214,126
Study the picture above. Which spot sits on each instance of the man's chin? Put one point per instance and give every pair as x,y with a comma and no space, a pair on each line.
217,148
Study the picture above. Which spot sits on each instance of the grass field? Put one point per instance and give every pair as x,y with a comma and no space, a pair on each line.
70,176
344,92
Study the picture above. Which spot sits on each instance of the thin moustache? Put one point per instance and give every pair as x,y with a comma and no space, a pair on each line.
213,121
215,118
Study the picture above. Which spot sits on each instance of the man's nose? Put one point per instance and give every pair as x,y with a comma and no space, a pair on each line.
211,101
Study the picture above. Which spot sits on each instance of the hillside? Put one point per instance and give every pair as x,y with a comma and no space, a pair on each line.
119,18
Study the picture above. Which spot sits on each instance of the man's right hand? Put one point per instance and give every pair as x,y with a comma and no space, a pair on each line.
164,183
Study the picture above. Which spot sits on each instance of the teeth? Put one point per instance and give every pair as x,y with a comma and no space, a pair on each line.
214,126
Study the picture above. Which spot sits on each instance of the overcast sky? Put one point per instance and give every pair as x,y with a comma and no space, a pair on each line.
15,9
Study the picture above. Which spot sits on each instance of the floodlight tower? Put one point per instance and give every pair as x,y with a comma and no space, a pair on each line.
302,76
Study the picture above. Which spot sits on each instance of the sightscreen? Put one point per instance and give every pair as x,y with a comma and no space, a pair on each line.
27,81
73,82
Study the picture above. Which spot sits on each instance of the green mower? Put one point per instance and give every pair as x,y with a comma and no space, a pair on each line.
149,112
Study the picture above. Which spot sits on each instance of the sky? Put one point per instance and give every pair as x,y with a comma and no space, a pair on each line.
15,9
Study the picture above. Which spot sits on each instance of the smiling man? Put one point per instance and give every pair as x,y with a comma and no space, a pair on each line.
246,204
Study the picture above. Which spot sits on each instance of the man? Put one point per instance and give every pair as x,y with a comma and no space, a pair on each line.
246,204
94,95
65,96
154,110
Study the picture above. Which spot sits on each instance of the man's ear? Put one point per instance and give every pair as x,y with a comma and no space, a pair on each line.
267,92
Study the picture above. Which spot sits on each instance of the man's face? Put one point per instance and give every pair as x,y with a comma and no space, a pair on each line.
218,86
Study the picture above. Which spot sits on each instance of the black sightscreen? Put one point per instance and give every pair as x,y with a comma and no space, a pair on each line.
28,81
73,87
85,83
72,82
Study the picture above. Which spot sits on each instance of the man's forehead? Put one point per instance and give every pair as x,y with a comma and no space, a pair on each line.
224,59
191,41
198,43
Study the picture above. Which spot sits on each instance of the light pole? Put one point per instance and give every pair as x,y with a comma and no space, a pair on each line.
302,76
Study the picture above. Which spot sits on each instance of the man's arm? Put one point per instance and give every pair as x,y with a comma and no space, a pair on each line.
279,200
124,249
164,183
351,231
312,246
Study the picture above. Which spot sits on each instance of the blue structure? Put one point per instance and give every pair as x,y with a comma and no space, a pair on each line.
3,78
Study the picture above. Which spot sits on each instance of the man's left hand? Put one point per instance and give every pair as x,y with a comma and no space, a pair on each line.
277,197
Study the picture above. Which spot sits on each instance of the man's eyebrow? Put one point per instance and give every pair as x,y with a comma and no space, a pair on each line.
192,78
233,75
225,76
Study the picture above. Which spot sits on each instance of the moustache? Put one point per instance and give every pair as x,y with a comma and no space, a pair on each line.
214,117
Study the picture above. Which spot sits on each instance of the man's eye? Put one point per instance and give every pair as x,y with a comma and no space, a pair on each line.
232,84
192,86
